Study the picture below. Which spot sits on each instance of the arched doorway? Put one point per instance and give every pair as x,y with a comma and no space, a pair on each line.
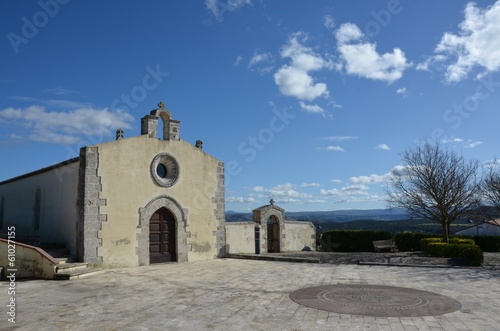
273,234
162,237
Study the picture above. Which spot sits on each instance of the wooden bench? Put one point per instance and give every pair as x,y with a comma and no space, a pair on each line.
380,245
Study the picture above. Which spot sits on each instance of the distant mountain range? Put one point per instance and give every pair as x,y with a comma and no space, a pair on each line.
392,220
331,216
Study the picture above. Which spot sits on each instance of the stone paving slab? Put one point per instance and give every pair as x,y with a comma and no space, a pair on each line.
231,294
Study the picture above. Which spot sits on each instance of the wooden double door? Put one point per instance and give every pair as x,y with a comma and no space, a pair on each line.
162,237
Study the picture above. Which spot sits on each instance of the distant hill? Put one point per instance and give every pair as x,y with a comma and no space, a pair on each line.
391,220
331,216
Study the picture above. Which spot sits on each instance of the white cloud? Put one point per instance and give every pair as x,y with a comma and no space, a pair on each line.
477,44
452,140
336,181
258,58
258,189
240,200
473,144
399,171
358,199
219,7
294,79
368,180
315,109
238,60
311,185
401,90
65,127
362,59
348,32
335,105
311,108
383,146
281,191
332,148
469,143
329,21
425,66
346,190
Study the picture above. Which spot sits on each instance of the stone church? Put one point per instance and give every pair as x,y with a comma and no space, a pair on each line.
139,200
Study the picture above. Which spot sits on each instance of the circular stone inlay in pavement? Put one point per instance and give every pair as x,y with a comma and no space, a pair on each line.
375,300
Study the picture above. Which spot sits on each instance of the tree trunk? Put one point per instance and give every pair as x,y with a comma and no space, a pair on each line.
445,227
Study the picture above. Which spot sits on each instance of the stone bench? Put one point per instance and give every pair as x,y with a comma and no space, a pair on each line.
380,245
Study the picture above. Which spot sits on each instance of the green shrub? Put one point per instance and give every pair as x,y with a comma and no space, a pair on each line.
435,248
425,242
472,255
407,241
469,254
461,241
486,243
452,243
352,241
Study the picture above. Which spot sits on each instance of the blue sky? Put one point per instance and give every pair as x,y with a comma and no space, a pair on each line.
308,103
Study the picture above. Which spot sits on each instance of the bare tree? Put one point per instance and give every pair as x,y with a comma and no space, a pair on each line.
435,184
491,185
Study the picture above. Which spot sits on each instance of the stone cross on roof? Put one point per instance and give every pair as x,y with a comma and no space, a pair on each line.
161,105
271,202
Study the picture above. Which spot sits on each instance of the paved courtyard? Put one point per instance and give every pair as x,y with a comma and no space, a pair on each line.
231,294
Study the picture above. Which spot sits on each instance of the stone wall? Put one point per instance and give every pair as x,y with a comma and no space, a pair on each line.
299,236
43,204
30,261
296,236
240,237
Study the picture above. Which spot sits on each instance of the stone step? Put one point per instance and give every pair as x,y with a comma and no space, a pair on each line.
70,267
79,273
61,254
66,259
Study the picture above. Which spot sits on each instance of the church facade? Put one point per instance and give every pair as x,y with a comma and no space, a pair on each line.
135,201
132,201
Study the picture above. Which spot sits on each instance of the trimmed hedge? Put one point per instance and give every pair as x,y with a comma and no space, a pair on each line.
487,243
425,242
465,249
407,241
352,241
471,254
